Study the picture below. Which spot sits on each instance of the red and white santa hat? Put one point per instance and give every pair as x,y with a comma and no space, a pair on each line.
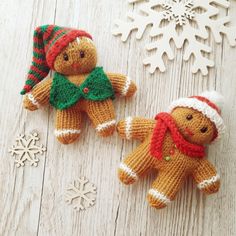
209,104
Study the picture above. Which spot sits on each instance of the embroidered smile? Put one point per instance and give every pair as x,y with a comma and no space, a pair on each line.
75,65
188,131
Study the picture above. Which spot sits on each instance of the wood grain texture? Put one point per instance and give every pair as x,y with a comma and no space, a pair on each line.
31,199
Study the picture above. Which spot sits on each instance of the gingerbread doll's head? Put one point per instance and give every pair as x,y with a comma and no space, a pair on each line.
198,118
194,126
65,50
79,57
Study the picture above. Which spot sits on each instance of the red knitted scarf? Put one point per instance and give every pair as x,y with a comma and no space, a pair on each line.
164,123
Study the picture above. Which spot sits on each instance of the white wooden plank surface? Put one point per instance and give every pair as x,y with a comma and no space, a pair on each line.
31,199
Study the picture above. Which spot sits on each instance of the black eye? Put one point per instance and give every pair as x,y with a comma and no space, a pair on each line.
65,57
82,54
189,117
204,129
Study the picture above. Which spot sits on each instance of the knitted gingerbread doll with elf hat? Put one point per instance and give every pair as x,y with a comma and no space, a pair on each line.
174,144
77,85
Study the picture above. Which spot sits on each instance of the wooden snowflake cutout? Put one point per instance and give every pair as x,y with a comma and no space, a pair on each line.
26,150
187,23
81,194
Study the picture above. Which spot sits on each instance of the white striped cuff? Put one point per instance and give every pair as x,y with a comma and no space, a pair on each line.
105,125
126,86
61,132
32,99
208,182
128,170
128,127
159,196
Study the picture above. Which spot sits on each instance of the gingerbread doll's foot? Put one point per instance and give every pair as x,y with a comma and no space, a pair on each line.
157,199
68,123
67,136
126,174
102,115
106,129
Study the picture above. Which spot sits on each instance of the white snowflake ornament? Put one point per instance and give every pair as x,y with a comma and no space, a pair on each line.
179,10
186,22
26,150
81,194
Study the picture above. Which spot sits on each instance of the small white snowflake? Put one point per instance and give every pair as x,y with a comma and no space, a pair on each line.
26,150
179,10
197,19
81,194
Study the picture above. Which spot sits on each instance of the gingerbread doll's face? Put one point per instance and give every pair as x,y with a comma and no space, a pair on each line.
193,125
79,57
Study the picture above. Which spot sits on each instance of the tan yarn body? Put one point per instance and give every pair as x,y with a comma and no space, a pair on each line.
99,112
172,170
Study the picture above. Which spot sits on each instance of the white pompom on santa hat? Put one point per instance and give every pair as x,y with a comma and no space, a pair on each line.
209,103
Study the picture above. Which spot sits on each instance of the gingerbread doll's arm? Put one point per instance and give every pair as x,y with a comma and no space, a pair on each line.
135,128
206,177
39,95
122,85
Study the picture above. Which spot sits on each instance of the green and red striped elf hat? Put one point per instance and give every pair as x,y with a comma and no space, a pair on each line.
49,41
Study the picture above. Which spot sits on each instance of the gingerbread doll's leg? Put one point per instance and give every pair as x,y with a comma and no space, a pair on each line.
166,186
68,124
136,164
102,115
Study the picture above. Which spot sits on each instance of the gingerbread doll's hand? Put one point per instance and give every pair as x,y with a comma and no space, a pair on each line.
39,95
122,85
30,103
211,186
206,177
135,128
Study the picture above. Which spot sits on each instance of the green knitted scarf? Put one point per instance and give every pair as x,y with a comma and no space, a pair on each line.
96,87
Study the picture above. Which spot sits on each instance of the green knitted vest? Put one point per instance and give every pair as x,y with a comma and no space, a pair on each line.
96,87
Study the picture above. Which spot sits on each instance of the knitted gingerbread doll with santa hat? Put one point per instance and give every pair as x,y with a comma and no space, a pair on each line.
174,144
77,85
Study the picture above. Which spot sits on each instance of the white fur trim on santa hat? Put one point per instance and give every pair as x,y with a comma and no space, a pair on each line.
202,107
214,97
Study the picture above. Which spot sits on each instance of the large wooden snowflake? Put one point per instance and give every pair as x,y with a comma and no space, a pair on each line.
26,150
186,22
81,194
